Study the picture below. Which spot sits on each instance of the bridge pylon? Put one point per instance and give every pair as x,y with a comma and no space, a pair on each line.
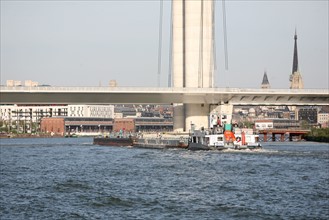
192,58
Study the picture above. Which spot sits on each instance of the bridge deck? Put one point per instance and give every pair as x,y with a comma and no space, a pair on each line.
145,95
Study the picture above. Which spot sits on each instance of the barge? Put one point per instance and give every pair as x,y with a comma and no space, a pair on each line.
161,142
154,141
114,141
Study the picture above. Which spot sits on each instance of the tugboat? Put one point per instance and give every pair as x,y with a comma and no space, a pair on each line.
219,140
246,139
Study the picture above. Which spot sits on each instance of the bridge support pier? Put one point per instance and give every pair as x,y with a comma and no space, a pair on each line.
186,115
198,115
273,137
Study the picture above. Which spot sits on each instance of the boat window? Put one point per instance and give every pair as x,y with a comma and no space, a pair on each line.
219,138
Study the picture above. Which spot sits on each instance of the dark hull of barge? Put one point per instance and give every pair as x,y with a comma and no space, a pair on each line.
111,141
141,143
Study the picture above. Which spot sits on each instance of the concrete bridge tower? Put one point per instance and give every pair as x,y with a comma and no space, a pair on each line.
192,57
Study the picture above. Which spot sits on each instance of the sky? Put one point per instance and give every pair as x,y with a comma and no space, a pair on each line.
89,43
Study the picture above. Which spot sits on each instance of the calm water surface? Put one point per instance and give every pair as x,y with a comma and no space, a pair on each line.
72,179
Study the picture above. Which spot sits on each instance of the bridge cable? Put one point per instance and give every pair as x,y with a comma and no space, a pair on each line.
170,46
225,34
160,41
213,67
200,72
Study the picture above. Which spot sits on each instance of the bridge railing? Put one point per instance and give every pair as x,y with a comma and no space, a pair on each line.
159,89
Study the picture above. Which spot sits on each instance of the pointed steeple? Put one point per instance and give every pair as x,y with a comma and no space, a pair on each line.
295,61
296,81
265,83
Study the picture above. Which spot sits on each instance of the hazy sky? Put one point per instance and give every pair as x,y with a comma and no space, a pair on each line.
88,43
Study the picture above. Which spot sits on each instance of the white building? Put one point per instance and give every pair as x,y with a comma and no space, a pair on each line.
31,83
323,119
94,111
11,83
264,124
11,113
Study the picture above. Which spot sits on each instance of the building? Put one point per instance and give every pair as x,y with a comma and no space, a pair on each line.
153,124
323,117
55,126
27,117
308,115
264,124
69,125
30,83
265,82
93,126
276,124
113,83
124,111
296,81
33,113
11,83
94,111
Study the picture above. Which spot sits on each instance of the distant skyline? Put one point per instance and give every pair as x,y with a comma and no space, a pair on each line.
89,43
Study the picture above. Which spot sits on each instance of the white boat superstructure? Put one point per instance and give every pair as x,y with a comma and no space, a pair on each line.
210,140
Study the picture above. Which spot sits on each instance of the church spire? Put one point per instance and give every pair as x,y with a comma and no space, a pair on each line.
295,61
296,81
265,83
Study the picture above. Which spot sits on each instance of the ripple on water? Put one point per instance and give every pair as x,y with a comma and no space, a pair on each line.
71,179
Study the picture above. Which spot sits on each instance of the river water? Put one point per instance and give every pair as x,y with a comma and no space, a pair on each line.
61,178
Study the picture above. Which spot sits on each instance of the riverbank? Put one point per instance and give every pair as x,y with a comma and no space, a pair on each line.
318,135
29,136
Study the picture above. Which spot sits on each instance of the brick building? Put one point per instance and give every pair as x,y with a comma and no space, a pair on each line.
124,124
53,125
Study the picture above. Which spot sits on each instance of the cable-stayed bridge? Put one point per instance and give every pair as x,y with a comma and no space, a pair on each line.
193,93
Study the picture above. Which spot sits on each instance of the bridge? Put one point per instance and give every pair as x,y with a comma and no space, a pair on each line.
192,94
285,134
146,95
